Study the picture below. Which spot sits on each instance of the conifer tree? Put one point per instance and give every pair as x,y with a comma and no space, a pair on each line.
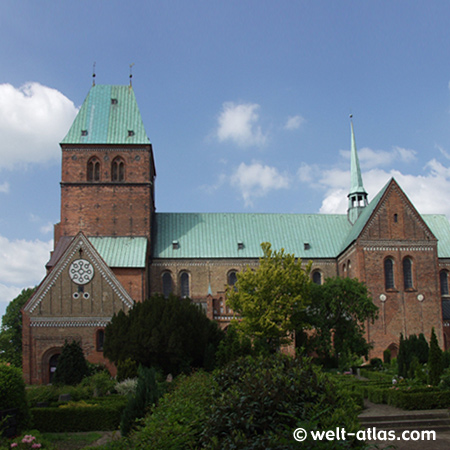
72,366
435,368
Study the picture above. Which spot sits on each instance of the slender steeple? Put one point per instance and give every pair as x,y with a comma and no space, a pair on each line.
357,197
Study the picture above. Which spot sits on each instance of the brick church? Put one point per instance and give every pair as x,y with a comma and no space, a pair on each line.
112,249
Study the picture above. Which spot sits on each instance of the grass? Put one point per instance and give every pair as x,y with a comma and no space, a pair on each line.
72,441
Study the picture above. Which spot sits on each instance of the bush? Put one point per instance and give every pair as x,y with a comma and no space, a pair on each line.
126,369
101,415
50,394
178,420
259,401
99,384
387,356
13,395
126,387
147,394
72,366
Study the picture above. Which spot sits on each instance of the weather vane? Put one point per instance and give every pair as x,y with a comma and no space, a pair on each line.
131,74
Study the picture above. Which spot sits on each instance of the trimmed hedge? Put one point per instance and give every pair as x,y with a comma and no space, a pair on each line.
431,399
103,415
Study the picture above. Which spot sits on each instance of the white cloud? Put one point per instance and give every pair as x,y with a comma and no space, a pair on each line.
22,265
23,262
33,120
294,122
238,123
4,187
370,159
256,180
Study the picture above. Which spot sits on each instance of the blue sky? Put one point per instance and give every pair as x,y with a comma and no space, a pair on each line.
246,103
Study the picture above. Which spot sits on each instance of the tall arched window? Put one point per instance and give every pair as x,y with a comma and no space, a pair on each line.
407,273
167,284
184,284
389,273
443,277
232,278
317,277
93,169
118,169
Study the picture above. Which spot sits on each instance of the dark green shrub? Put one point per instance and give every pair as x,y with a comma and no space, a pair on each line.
50,394
126,369
233,346
147,394
376,363
72,366
178,420
435,368
96,415
387,356
446,359
259,401
99,384
12,393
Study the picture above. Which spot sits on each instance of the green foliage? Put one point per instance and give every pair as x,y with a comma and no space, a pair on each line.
178,420
50,394
171,334
269,297
376,363
11,330
12,393
104,414
232,347
339,308
126,369
259,401
147,394
387,356
413,347
435,367
99,384
127,387
446,359
72,366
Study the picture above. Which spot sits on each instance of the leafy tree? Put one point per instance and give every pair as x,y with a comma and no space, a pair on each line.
412,348
232,347
72,366
339,308
171,334
435,367
11,330
268,298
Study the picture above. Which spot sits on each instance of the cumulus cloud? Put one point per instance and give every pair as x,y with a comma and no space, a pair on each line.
4,187
294,122
239,123
256,180
22,264
33,120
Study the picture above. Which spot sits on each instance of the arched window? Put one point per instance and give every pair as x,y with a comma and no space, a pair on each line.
317,277
167,284
100,340
407,273
443,277
232,278
389,273
184,284
93,169
118,169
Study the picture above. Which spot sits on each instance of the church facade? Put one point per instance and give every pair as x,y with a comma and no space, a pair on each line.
112,249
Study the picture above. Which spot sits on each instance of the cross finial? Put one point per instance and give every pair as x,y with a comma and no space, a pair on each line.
131,74
93,74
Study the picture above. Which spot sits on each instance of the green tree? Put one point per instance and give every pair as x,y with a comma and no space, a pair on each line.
170,334
269,298
72,366
11,330
337,315
435,367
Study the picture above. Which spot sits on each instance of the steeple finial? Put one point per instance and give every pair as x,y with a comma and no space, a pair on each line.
357,197
131,74
93,74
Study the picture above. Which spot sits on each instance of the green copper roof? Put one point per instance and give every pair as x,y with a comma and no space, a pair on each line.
440,227
228,235
122,251
109,115
355,171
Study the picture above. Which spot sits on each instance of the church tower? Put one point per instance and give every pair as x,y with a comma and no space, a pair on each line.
108,171
357,197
